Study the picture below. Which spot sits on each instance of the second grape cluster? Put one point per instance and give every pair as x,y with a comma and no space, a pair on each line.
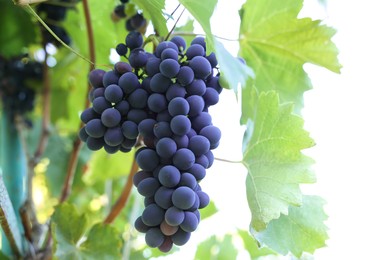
159,100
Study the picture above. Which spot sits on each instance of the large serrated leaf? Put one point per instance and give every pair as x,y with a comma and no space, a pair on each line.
274,161
302,230
217,249
69,228
276,44
153,9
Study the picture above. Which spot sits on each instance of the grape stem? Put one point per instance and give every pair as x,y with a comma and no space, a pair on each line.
200,34
225,160
28,2
174,26
66,189
174,11
121,202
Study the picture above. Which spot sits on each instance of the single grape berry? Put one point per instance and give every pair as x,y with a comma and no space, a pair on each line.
121,49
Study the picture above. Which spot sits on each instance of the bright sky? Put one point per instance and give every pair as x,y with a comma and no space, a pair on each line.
347,115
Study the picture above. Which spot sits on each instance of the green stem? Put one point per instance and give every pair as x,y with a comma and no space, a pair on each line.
14,168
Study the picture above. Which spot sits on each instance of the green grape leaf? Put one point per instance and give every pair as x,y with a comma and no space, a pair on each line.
233,71
252,246
276,44
153,9
302,230
69,228
18,29
208,211
105,166
217,249
274,160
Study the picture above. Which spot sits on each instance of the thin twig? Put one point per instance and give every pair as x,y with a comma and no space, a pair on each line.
121,202
24,216
174,11
228,161
200,34
28,2
174,26
66,189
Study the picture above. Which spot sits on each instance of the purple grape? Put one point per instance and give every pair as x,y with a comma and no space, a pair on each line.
185,75
111,117
95,128
178,106
180,125
184,159
201,67
153,215
169,176
113,136
113,93
169,68
166,147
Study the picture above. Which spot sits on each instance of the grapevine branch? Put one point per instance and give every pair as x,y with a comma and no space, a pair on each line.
174,26
174,11
121,202
77,143
228,161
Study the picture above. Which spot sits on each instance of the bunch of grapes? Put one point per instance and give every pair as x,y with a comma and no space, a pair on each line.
53,13
162,99
136,22
15,76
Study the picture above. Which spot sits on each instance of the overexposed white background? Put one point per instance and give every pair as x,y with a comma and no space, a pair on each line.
347,115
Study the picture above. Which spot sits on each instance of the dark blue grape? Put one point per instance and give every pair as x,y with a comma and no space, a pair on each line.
110,77
111,117
191,133
180,43
194,51
175,90
166,147
138,58
138,98
184,159
148,187
146,126
198,171
141,175
83,134
202,160
99,92
153,215
123,107
196,105
88,114
148,201
163,197
130,129
204,199
212,133
152,66
146,84
95,78
136,115
113,136
213,82
100,104
137,21
166,246
134,40
199,40
121,49
159,83
200,121
128,82
190,222
174,216
212,59
180,125
111,149
185,76
113,93
181,237
201,67
147,159
140,225
169,176
181,141
119,10
95,144
210,97
178,106
210,157
95,128
187,179
199,145
197,87
165,45
162,129
169,68
122,67
164,116
169,54
157,102
183,198
154,237
128,143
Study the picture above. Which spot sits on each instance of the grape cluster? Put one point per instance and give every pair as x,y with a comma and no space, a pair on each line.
163,100
135,22
53,13
15,75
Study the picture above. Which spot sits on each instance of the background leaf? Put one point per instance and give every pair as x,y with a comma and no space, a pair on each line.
153,9
302,230
217,249
276,44
274,161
